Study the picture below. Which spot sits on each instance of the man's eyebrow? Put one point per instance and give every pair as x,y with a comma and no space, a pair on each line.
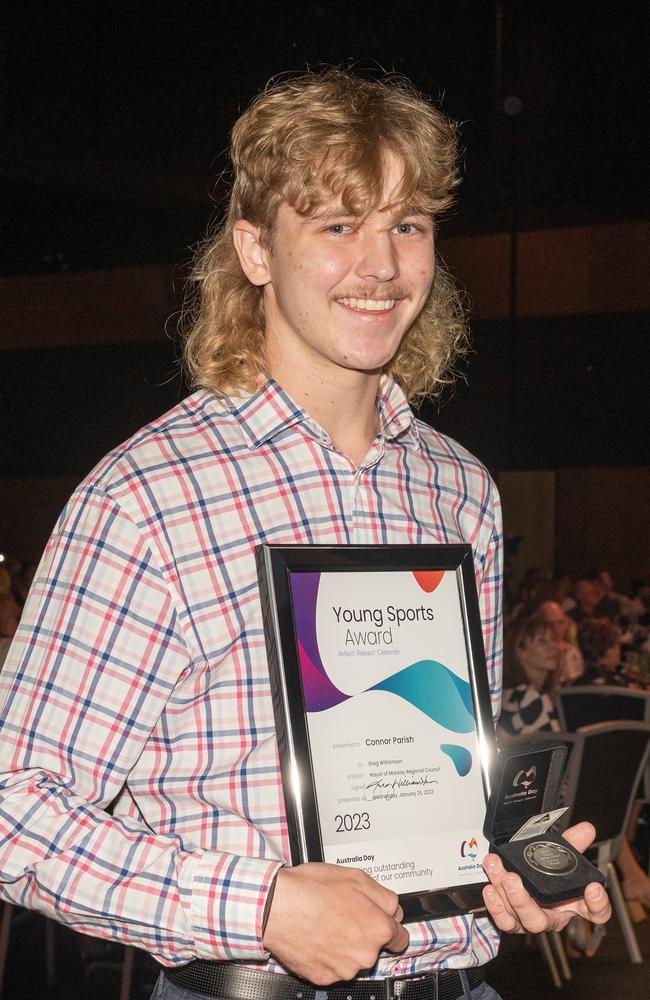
401,211
339,212
336,212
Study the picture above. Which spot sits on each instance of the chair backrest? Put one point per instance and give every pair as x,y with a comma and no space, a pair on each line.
607,764
585,705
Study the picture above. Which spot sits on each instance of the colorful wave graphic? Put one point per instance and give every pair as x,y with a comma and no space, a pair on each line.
428,685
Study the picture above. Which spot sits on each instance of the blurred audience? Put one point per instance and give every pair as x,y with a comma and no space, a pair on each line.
540,654
604,638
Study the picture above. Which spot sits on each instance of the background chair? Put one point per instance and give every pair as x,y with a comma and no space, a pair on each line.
606,765
587,704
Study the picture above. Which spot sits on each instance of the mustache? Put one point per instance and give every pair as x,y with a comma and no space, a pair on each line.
380,292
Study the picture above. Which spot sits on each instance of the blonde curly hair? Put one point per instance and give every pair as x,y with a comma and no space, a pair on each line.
302,141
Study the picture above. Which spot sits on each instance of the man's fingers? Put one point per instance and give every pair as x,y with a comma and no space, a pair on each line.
513,909
399,940
580,836
529,913
495,871
326,923
501,915
496,898
493,866
597,904
384,898
388,902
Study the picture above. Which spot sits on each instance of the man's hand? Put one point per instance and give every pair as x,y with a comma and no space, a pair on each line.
327,923
514,911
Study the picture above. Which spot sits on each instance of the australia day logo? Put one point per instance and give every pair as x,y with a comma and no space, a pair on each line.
469,849
524,779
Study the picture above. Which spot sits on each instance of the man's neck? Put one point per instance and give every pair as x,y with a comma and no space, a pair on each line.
343,403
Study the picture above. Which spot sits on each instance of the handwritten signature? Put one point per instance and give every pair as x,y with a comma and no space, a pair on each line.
390,789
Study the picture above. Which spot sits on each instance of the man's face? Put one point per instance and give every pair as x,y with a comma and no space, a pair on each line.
343,293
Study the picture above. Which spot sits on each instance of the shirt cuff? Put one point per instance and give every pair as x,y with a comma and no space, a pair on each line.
225,895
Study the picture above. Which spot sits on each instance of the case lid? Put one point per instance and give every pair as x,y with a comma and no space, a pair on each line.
525,781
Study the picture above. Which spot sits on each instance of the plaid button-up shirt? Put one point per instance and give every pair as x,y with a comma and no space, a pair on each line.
139,677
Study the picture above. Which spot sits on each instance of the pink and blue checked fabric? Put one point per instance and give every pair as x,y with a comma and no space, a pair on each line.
139,674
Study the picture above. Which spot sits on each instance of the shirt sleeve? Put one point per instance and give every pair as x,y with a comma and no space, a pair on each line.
98,652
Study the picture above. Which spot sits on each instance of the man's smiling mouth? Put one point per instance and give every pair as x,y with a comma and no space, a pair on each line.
368,305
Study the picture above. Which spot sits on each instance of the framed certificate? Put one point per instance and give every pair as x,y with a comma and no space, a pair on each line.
383,714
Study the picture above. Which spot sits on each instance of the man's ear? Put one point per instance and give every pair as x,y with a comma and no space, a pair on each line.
252,254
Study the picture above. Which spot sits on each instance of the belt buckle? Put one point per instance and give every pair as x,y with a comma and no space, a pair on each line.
395,984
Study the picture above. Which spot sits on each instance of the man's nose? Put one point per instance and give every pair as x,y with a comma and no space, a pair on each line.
379,259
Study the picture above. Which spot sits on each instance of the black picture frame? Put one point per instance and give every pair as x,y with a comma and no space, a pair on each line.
279,567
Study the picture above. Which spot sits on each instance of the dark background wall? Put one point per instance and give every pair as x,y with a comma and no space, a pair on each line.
115,119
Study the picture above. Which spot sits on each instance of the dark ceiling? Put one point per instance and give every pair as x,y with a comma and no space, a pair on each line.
116,116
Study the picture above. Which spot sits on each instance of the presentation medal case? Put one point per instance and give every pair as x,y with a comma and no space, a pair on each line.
521,819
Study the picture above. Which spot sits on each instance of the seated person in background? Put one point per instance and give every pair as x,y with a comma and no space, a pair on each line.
571,661
610,604
530,674
587,595
600,645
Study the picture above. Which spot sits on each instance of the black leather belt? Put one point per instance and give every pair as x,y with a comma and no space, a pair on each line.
230,981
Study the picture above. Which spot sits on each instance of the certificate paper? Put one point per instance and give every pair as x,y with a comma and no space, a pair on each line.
389,742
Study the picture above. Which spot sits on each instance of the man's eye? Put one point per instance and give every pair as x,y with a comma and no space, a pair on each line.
337,228
406,228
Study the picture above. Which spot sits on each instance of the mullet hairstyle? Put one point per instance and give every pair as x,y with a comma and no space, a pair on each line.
303,141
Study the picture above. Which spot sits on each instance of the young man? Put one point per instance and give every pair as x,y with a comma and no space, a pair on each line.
140,677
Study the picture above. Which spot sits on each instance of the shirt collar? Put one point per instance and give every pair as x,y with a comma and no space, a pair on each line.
270,410
395,414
